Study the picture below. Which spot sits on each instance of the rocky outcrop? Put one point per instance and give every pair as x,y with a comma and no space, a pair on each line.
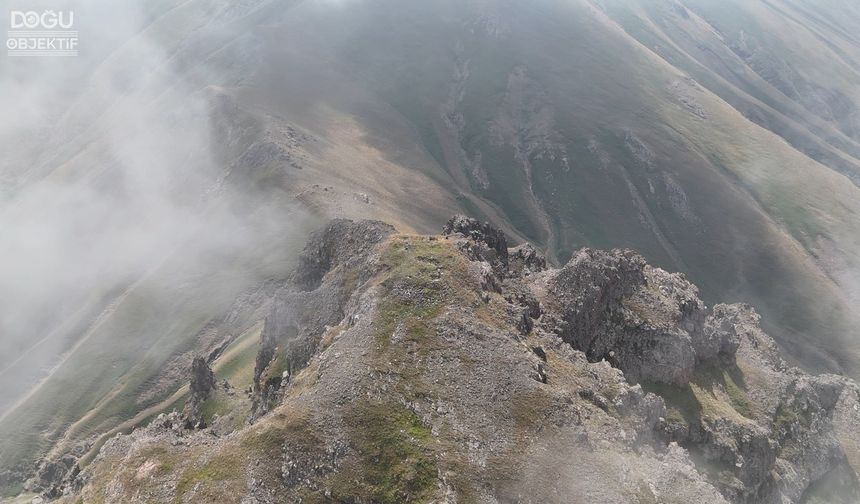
304,307
649,323
588,290
721,334
201,387
342,242
53,478
484,242
523,260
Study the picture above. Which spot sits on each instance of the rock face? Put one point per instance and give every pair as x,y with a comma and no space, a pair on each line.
402,368
722,331
525,260
55,477
202,385
649,323
306,306
342,243
485,242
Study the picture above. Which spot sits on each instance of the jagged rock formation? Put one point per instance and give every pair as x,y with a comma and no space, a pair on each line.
53,478
201,387
525,260
305,306
648,323
485,243
400,368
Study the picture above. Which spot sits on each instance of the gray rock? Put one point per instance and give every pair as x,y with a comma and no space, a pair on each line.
525,260
723,329
638,318
484,241
201,387
341,242
305,306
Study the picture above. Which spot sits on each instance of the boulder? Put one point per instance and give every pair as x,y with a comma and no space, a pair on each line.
484,242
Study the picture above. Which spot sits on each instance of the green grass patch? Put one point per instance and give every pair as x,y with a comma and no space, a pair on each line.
218,403
730,381
294,430
417,285
787,419
276,368
530,408
395,463
222,471
713,392
237,366
682,406
167,460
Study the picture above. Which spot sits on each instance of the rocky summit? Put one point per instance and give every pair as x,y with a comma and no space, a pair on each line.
456,369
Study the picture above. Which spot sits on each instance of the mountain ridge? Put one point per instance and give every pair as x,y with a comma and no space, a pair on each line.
409,368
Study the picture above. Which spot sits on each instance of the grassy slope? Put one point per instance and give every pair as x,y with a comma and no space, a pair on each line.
713,45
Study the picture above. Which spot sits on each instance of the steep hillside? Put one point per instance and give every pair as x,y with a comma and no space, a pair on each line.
577,134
